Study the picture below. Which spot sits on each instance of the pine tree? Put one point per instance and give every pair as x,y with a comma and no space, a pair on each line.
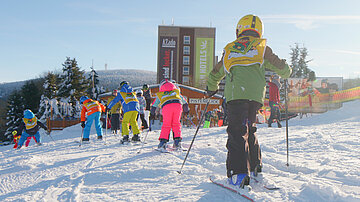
48,97
72,87
31,95
14,113
299,63
295,52
94,89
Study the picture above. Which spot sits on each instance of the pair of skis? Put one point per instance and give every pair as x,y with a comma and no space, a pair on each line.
171,148
242,192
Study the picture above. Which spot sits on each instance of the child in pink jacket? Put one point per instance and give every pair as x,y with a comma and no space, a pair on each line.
170,101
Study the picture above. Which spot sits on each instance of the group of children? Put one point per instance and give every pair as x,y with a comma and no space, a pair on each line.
133,105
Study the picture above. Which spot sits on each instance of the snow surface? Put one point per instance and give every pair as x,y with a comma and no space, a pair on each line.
324,165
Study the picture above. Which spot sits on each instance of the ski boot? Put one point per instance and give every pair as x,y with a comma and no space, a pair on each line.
239,180
125,139
279,124
85,140
257,170
135,138
162,144
99,137
177,143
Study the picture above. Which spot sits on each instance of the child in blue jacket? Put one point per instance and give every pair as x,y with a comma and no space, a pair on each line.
130,106
31,127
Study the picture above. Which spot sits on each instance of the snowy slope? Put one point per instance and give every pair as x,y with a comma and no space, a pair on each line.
324,165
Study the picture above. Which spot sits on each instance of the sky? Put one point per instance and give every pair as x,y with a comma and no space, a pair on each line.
37,36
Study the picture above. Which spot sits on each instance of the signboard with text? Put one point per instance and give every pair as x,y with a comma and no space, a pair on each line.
204,61
204,101
167,58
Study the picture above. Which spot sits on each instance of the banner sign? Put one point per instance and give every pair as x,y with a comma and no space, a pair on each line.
203,101
318,96
167,58
204,61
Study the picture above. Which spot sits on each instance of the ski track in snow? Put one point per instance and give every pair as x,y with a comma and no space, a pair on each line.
324,165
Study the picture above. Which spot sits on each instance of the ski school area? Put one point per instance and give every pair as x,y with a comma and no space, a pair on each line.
324,165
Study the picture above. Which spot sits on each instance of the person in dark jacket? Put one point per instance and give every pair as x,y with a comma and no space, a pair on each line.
147,95
274,100
29,127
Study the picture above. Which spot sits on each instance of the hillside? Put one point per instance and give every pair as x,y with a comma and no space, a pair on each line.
323,157
109,79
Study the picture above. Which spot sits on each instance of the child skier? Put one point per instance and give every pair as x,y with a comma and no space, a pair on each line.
208,116
93,110
147,94
115,113
274,100
31,127
243,66
130,106
170,101
142,104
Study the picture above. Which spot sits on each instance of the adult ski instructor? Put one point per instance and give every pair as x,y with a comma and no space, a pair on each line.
243,65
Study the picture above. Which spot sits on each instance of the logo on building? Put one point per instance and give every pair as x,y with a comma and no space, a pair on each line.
166,43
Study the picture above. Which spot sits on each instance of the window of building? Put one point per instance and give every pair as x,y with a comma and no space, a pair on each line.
186,39
186,50
186,60
186,70
186,80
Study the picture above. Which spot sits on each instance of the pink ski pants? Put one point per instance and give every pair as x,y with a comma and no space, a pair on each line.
171,120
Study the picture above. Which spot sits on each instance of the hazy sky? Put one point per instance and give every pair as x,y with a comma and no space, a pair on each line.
37,36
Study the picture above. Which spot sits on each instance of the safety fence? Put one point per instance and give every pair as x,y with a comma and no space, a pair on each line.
60,124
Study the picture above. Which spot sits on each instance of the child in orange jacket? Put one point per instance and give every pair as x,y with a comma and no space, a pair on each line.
93,110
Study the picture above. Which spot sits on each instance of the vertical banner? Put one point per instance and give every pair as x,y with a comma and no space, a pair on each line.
204,61
167,58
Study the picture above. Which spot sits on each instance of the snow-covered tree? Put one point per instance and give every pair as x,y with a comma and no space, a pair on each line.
94,89
73,85
14,113
48,98
299,63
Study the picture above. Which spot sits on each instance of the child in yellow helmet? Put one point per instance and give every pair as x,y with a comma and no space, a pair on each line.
243,65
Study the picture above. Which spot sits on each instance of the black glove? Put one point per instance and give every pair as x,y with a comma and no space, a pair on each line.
45,128
210,93
83,124
152,116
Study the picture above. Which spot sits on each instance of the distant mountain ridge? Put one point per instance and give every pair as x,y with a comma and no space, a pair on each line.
109,79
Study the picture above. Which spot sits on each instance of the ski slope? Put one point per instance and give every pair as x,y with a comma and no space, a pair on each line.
324,165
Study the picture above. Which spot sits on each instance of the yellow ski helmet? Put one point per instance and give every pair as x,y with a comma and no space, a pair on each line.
249,22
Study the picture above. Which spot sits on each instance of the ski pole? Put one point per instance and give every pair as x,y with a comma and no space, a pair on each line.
48,133
145,137
287,125
82,133
106,126
198,127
